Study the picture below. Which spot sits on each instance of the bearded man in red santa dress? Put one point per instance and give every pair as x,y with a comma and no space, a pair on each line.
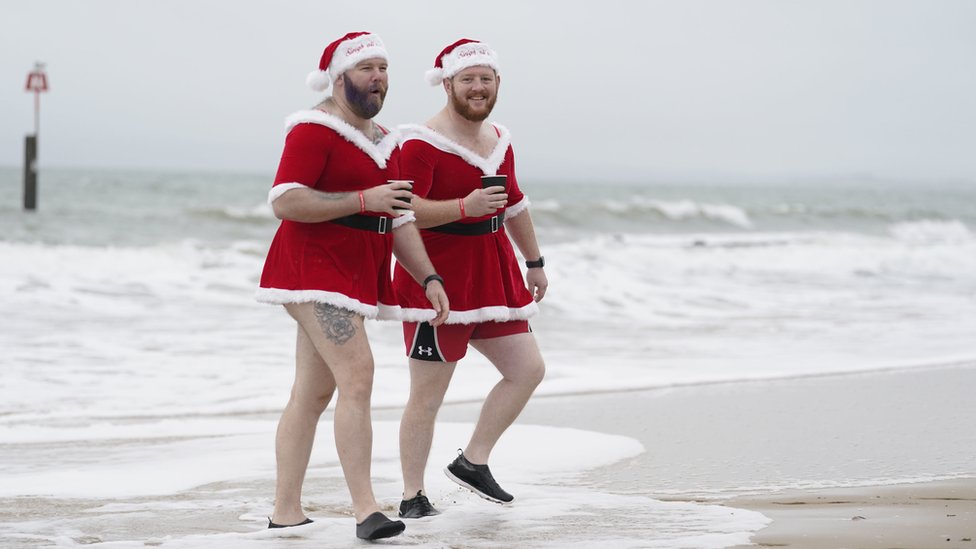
344,213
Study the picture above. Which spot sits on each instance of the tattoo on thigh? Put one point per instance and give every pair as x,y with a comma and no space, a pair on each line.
336,323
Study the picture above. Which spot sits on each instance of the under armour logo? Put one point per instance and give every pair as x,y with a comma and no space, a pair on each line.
421,350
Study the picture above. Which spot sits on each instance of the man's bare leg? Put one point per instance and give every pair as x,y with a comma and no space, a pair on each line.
518,359
310,395
428,384
340,339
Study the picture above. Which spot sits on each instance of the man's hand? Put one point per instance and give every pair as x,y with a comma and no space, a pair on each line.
438,298
485,201
391,198
537,283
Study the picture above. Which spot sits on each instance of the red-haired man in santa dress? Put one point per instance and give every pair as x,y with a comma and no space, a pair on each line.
470,208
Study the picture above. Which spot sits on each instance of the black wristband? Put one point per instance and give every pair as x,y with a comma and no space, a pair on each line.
434,276
538,263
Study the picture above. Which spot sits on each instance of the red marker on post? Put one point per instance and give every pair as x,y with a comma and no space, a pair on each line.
37,83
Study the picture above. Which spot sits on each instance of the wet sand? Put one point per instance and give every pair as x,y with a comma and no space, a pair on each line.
828,459
787,448
912,516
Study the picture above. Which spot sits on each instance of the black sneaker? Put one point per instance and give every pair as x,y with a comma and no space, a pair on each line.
377,526
476,478
417,507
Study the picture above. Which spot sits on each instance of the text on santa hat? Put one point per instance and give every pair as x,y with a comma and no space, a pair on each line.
470,52
354,49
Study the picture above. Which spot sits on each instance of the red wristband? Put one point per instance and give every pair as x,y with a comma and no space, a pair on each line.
461,203
362,203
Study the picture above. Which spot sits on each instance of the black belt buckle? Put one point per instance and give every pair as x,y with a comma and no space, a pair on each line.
494,224
382,225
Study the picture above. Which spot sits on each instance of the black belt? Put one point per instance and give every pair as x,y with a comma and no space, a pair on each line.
371,223
490,225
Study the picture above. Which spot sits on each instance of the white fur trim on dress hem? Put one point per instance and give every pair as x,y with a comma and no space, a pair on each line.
488,166
282,188
278,296
379,152
484,314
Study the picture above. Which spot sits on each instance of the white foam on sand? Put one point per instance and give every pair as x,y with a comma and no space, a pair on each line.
197,467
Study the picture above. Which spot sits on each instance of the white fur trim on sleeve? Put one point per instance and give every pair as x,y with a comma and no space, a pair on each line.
517,208
402,220
281,189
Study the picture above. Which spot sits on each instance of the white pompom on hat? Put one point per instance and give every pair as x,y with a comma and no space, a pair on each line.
342,54
458,56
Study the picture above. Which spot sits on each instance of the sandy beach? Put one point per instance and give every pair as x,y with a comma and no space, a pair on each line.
913,516
859,430
880,459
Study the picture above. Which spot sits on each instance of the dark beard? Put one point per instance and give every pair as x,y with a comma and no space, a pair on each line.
467,112
361,100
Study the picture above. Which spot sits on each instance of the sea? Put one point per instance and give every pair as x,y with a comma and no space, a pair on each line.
138,371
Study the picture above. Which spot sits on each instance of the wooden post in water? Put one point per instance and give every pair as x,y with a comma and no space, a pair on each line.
30,172
37,83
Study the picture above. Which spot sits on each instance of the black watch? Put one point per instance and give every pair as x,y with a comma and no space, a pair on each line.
431,278
538,263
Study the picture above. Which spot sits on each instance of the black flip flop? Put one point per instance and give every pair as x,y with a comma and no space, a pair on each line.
302,523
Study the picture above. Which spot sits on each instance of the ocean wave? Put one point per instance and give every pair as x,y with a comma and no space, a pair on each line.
661,280
261,212
681,210
930,231
106,277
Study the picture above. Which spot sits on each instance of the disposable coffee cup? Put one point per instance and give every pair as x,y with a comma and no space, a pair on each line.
407,200
493,181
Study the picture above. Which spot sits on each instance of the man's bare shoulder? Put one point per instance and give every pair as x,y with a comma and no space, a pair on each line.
440,124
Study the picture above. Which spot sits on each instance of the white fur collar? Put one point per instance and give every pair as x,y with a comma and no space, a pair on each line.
379,152
488,166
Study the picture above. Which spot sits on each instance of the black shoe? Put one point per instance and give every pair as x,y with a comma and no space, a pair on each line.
417,507
476,478
377,526
302,523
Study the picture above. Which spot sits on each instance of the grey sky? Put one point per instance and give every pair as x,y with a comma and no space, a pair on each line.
591,90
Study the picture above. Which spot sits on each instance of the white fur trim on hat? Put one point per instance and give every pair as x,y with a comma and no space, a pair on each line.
355,50
471,54
345,55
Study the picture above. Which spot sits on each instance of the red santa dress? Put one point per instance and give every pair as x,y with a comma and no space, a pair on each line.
327,262
481,273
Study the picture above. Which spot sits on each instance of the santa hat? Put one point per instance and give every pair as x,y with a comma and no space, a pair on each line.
458,56
343,54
